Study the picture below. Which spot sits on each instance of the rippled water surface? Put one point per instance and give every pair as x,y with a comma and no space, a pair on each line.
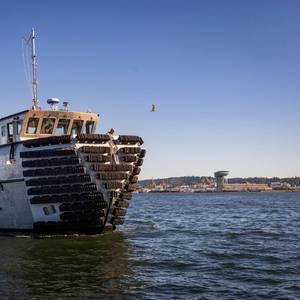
173,246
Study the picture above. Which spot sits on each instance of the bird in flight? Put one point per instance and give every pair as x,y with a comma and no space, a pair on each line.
153,108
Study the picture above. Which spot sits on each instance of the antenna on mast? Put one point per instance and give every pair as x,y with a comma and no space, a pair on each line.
28,44
34,71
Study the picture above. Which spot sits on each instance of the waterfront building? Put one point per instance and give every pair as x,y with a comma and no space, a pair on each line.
246,187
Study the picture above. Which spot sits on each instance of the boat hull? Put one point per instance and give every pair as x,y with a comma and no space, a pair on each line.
60,184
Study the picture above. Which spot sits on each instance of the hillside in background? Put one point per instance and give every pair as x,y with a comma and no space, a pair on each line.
192,180
293,181
176,181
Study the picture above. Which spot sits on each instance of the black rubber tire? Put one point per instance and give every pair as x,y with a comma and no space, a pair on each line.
52,140
129,158
131,187
119,212
98,158
54,171
48,152
113,168
130,139
114,194
58,180
93,138
50,162
122,203
62,189
133,179
126,195
113,185
130,150
139,162
95,149
142,153
112,176
117,220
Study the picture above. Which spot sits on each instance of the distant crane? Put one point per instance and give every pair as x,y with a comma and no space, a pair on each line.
153,108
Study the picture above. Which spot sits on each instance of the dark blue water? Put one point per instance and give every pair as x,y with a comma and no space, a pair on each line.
173,246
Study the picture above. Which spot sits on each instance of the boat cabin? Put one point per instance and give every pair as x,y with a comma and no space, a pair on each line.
32,124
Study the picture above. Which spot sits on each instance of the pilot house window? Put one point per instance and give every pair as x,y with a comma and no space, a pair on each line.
3,131
76,127
32,125
19,127
10,132
89,127
62,127
47,126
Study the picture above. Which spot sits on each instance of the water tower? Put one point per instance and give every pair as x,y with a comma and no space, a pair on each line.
220,176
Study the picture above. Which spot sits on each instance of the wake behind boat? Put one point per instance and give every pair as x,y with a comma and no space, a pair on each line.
58,175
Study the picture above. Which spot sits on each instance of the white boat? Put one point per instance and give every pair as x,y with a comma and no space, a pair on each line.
58,175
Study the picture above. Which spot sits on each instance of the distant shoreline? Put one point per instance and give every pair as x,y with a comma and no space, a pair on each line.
208,184
212,192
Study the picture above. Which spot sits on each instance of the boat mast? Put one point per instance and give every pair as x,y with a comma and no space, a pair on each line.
34,69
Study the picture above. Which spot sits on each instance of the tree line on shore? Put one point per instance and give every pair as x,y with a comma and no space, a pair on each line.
293,181
194,180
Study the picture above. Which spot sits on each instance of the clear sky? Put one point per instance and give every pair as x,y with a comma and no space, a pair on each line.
225,76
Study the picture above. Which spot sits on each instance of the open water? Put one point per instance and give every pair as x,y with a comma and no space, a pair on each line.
173,246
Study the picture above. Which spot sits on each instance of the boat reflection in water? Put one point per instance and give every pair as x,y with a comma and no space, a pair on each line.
74,266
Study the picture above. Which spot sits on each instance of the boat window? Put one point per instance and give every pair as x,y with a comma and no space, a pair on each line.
3,131
89,127
10,132
32,125
49,210
62,127
19,127
76,127
47,126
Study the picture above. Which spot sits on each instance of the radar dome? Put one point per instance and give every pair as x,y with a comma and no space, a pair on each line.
53,101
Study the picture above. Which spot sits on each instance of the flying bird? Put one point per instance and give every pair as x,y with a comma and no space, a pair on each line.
153,108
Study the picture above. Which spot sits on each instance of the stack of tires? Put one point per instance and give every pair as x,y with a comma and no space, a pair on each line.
130,154
57,175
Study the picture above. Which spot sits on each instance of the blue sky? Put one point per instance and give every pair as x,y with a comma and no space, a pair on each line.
225,76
